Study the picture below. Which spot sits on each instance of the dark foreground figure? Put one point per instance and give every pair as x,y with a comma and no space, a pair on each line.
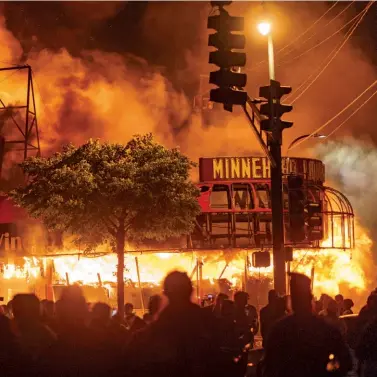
180,340
303,344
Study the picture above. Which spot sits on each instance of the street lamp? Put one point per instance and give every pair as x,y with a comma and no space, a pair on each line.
295,141
265,29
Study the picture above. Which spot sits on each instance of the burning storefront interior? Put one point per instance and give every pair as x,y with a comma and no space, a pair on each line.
228,250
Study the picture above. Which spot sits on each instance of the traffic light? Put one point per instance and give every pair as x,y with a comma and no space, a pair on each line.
314,221
228,81
273,110
296,197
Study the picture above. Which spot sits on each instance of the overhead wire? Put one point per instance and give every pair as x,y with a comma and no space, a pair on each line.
334,54
315,46
323,27
335,116
308,29
298,37
322,42
352,114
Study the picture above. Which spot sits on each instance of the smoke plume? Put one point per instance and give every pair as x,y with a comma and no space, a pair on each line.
352,163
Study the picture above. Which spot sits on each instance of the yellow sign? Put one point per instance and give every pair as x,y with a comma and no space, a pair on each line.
233,168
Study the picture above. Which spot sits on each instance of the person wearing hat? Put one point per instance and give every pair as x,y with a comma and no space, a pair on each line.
302,344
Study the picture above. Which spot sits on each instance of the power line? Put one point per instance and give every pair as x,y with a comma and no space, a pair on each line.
322,42
318,44
323,27
335,116
308,29
352,114
335,52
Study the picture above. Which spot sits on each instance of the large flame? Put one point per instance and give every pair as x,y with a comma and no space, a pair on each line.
333,270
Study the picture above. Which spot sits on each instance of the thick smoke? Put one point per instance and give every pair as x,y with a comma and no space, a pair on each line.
113,96
352,164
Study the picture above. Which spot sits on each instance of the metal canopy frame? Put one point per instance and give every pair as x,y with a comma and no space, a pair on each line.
28,131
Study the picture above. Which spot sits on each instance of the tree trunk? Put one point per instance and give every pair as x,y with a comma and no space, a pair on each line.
120,273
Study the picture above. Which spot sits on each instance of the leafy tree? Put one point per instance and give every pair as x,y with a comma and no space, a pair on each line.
112,192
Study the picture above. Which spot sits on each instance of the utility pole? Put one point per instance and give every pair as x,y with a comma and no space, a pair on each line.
274,126
230,92
274,144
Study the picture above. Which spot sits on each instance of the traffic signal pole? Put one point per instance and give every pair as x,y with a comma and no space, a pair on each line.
274,144
230,92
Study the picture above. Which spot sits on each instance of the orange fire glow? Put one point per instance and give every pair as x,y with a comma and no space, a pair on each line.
334,270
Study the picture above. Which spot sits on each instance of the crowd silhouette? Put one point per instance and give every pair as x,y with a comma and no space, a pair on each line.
177,338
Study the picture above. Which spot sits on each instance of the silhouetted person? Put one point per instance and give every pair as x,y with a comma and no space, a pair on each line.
270,314
78,351
34,336
132,321
348,305
154,306
247,325
339,299
180,342
332,317
48,314
324,299
366,351
12,362
302,344
216,307
368,313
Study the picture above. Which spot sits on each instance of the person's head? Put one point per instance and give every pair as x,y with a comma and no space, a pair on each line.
280,306
128,308
220,298
178,287
227,309
325,299
272,296
339,299
332,307
301,295
48,308
72,307
348,304
372,301
240,299
317,306
154,304
26,308
101,313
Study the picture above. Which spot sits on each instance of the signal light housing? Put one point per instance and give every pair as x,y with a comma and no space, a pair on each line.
230,84
227,40
227,59
228,96
296,197
227,78
314,221
273,110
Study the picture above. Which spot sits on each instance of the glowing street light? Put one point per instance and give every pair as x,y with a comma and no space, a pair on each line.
264,28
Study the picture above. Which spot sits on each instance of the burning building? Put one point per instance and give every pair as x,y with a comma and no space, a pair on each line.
229,248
